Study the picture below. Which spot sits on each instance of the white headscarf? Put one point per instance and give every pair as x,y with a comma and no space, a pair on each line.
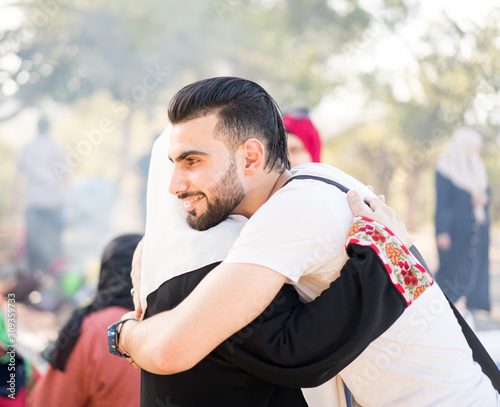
461,163
171,247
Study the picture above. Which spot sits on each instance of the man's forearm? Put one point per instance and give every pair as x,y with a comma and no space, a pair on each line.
229,298
149,346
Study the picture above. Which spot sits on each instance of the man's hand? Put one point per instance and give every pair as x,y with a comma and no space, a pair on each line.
135,275
381,213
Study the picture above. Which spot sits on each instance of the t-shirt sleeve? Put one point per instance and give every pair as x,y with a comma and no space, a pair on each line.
296,231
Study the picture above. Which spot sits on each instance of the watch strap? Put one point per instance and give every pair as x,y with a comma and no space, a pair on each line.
114,337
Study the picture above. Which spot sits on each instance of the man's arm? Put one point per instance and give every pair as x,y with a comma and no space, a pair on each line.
304,345
229,298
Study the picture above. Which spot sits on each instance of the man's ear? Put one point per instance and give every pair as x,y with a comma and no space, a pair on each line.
253,154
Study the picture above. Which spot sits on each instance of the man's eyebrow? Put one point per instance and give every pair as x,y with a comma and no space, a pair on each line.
186,154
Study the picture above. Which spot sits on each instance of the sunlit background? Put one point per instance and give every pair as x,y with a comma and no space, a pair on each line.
387,82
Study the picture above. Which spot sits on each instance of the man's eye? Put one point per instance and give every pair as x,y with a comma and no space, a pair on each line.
192,161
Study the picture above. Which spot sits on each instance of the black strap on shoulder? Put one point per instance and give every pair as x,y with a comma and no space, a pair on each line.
326,180
479,353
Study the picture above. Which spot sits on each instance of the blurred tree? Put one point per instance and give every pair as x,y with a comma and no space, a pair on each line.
457,84
142,52
64,51
67,50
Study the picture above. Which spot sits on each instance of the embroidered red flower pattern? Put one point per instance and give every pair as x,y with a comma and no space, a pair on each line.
377,237
405,272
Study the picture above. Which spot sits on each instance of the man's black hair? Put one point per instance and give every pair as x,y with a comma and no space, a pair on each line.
244,109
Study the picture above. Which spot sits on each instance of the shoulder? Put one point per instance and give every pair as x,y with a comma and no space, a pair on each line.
302,203
317,171
314,192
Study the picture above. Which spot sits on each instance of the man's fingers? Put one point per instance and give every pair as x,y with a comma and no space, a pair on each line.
356,203
138,311
132,363
374,203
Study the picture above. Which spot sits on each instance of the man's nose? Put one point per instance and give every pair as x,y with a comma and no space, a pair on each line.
178,183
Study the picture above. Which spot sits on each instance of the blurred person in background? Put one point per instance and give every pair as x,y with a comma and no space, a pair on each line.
304,143
44,196
462,221
82,372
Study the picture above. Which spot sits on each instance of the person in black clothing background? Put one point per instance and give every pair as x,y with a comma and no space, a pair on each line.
462,221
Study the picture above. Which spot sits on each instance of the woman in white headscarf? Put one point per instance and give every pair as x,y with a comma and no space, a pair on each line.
462,221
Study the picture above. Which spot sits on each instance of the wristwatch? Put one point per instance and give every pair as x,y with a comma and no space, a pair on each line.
114,337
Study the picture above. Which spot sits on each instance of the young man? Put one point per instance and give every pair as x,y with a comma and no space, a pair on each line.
228,147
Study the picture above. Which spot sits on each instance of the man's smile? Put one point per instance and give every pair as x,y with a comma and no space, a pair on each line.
191,201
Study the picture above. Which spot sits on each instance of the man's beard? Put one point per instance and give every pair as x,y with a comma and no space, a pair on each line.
224,197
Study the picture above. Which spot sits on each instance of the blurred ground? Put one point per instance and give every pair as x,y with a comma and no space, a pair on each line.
36,328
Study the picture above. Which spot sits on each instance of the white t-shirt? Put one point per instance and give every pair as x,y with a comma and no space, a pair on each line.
423,360
300,231
312,246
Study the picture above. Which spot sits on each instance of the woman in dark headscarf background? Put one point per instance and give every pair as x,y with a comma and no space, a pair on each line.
462,221
82,372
